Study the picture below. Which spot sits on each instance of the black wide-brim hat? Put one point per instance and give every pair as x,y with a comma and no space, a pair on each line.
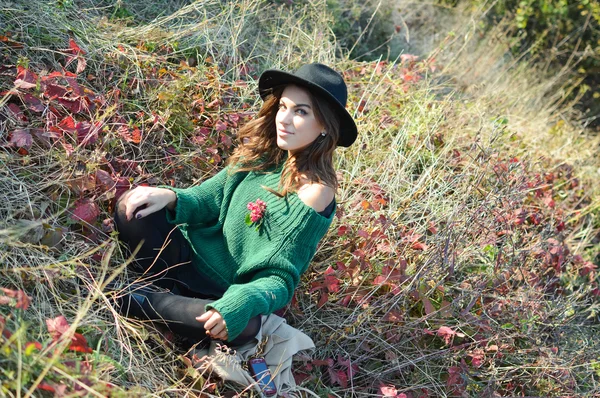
321,80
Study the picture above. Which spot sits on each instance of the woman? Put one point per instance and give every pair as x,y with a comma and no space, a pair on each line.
245,236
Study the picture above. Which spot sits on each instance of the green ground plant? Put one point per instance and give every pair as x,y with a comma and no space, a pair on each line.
463,258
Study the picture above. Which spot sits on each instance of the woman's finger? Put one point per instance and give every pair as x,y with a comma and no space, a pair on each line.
222,335
133,202
218,328
213,320
148,210
204,317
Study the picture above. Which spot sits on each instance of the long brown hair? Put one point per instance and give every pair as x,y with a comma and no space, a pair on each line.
258,151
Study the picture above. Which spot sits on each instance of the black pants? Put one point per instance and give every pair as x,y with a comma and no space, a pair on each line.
165,256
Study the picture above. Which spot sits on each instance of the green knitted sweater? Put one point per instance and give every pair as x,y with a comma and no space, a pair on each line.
258,270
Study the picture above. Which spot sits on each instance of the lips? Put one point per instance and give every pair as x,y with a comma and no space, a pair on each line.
284,132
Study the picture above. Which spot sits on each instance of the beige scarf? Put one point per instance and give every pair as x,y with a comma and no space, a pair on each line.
278,342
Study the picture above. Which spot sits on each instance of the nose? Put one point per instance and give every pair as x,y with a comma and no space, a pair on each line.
284,116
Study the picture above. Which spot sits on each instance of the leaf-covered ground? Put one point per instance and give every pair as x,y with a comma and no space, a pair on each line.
463,258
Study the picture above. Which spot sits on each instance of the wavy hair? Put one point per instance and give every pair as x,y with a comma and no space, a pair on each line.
258,151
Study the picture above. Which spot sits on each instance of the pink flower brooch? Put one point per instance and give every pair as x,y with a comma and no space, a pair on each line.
257,212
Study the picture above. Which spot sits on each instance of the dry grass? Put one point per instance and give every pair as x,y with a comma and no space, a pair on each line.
427,195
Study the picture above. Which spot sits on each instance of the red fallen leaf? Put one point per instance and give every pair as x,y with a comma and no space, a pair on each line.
338,377
534,218
323,298
350,367
122,186
87,133
244,70
432,228
477,359
234,118
17,113
332,283
323,362
455,382
53,91
220,125
418,246
36,344
10,42
21,138
68,125
359,253
393,316
52,75
408,58
446,333
587,268
25,78
362,233
67,147
384,247
104,179
213,104
361,105
23,300
342,230
81,64
548,201
33,103
46,387
300,377
75,49
427,306
134,136
79,344
77,53
389,391
57,326
74,105
365,205
85,211
74,85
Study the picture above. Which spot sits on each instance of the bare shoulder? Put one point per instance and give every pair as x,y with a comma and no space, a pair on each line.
317,196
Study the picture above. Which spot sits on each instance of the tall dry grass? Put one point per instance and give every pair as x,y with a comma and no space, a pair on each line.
426,238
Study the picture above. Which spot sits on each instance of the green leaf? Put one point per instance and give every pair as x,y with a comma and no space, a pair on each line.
247,220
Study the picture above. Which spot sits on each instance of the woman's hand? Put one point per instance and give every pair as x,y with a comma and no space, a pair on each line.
214,324
150,200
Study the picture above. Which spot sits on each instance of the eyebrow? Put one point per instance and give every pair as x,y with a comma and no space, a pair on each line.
298,105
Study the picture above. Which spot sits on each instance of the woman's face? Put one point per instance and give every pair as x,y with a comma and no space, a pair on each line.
297,126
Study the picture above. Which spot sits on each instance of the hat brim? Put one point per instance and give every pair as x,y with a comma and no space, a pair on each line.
272,78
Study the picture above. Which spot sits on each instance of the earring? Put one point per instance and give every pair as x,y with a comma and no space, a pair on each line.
323,134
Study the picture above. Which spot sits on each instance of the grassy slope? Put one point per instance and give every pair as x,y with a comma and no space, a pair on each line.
461,260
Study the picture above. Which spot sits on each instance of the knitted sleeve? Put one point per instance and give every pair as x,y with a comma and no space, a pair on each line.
270,286
199,204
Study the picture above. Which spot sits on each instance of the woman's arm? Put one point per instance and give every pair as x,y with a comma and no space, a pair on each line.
264,286
199,204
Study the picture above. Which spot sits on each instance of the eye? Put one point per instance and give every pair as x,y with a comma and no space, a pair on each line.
301,112
281,105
